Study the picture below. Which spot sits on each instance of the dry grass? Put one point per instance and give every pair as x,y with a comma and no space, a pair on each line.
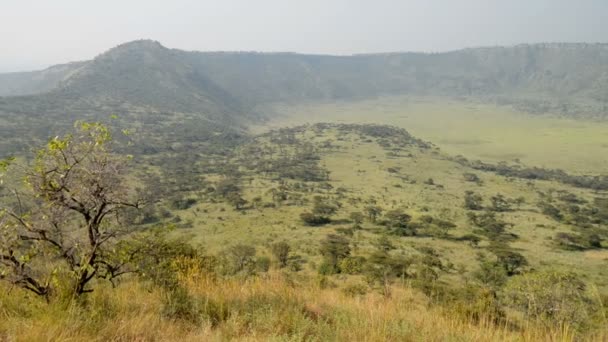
269,307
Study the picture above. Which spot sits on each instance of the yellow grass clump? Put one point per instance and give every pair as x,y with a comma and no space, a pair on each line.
271,307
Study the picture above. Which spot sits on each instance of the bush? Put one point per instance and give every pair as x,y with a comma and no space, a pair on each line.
471,177
313,220
262,263
491,274
179,305
551,211
334,248
182,203
355,290
352,265
500,203
490,225
325,268
280,251
473,201
554,297
399,223
239,259
473,303
569,241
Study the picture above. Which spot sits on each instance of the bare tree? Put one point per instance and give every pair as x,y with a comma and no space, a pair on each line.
63,225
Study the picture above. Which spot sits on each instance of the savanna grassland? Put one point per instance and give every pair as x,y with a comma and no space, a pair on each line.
373,249
285,197
474,129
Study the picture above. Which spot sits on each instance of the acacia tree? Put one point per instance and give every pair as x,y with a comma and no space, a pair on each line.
64,225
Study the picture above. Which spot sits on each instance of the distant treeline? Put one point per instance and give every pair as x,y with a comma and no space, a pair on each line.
598,182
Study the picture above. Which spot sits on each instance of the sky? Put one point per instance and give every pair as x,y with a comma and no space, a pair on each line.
38,33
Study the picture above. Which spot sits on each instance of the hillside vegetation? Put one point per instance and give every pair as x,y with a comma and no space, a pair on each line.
566,78
229,88
307,232
251,196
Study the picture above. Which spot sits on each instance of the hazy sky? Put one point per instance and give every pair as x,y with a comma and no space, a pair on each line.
38,33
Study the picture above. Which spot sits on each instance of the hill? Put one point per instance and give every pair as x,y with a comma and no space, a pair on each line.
143,83
36,82
388,238
566,77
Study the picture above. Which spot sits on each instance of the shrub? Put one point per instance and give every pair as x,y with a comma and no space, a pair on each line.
355,290
182,203
571,241
491,274
471,177
313,220
325,268
356,217
262,263
239,259
352,265
500,203
511,260
334,248
179,305
399,223
280,251
473,201
554,297
473,302
551,211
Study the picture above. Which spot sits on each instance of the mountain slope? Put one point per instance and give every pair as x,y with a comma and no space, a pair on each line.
567,78
36,82
151,86
146,74
551,77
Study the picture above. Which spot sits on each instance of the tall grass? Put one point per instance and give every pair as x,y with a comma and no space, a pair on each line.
269,307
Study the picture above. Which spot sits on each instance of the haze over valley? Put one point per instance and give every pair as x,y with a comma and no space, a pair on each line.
156,193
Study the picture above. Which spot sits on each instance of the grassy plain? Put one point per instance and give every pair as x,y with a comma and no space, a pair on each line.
475,130
288,305
361,168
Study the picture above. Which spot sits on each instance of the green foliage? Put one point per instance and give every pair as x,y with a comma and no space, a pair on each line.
178,304
280,251
321,212
499,203
182,203
373,212
240,258
154,256
355,290
491,274
551,211
313,220
262,263
398,223
384,244
334,249
550,296
357,218
67,221
473,201
323,208
584,241
352,265
516,171
472,302
471,177
490,224
325,268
